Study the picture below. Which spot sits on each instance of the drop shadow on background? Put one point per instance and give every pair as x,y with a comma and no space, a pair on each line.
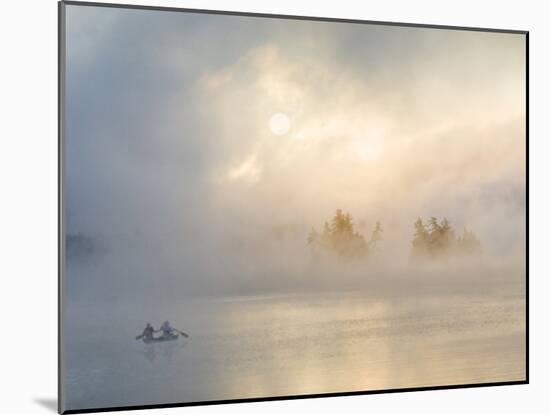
48,403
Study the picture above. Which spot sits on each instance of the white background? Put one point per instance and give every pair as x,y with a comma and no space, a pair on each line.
28,204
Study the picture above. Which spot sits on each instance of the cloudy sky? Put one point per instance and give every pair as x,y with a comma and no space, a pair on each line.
194,130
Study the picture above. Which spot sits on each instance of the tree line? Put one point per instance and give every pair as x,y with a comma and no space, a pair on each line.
439,239
340,237
430,241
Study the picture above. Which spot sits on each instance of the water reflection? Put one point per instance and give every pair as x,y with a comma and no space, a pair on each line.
164,350
289,345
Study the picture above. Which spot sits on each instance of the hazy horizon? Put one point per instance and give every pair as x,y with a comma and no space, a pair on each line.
174,154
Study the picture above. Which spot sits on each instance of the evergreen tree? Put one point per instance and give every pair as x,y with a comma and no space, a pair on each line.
468,243
376,235
439,240
421,240
435,233
313,237
340,237
437,237
447,238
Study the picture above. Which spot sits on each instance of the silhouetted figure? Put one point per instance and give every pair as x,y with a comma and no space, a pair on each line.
167,329
148,332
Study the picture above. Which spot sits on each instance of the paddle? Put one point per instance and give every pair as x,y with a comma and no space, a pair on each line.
139,337
181,332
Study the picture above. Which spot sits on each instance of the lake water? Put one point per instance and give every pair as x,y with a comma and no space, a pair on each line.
260,346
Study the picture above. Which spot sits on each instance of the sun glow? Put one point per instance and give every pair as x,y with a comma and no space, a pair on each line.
279,124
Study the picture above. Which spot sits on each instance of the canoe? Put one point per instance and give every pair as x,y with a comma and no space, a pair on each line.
161,339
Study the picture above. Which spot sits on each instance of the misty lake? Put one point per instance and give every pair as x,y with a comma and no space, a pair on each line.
260,346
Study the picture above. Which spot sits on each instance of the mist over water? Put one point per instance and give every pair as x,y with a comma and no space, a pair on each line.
206,160
377,328
257,346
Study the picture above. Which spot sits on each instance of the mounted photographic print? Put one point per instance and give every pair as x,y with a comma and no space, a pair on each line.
260,207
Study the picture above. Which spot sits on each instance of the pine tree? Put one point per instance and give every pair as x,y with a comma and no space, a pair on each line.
340,237
376,235
421,240
468,243
435,240
439,240
447,238
313,237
